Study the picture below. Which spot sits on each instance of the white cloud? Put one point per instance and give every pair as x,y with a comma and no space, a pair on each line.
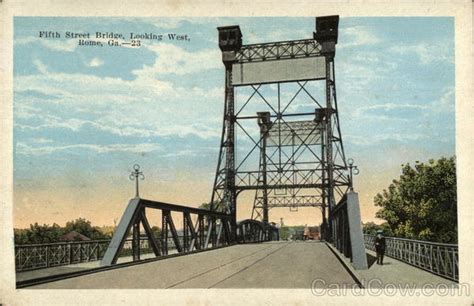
447,101
95,62
374,139
172,59
357,36
143,107
25,149
41,140
68,45
393,106
364,112
277,35
40,66
426,53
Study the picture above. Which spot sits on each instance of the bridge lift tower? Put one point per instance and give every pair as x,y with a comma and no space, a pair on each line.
301,161
280,139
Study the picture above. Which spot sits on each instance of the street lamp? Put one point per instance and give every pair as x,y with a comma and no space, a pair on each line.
353,170
135,175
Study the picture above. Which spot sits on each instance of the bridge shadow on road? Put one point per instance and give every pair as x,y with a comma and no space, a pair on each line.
371,260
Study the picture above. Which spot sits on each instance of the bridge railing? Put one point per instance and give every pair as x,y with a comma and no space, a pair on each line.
37,256
209,230
255,231
47,255
438,258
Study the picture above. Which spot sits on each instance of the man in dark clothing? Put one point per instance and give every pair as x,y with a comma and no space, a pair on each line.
380,247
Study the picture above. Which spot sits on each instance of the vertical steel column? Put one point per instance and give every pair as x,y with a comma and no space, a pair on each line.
136,240
329,154
185,232
264,178
229,191
264,123
164,232
324,229
201,231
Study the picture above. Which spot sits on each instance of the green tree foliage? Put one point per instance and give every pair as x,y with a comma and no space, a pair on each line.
38,234
50,233
371,228
286,232
422,203
85,228
218,206
156,231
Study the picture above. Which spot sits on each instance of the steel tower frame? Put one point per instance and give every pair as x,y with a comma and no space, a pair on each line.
320,181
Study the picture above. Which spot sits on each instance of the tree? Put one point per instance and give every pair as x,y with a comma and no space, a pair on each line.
38,234
156,231
422,203
371,228
85,228
50,233
284,232
218,206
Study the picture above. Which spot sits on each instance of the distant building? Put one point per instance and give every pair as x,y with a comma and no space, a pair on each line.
73,236
311,233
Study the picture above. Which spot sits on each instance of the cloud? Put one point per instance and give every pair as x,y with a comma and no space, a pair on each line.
25,149
394,106
277,35
143,107
357,36
172,59
377,139
40,140
40,66
95,62
426,53
446,102
64,45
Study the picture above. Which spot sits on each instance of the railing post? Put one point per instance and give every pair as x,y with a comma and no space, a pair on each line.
47,256
69,250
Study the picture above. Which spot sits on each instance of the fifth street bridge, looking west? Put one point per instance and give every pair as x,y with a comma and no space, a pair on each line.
295,159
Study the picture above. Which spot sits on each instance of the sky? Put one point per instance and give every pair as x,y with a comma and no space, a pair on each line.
83,115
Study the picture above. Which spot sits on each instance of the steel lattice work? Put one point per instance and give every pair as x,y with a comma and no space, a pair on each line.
280,138
281,135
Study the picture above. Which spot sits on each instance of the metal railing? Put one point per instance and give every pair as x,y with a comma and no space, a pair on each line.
255,231
39,256
438,258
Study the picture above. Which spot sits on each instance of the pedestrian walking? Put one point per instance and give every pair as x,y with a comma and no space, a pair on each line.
380,247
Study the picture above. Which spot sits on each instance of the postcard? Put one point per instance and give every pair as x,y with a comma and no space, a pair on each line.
228,153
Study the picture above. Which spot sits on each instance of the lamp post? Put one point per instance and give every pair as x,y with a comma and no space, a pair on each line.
353,170
136,174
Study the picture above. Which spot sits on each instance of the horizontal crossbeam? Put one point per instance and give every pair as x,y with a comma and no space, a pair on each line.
278,50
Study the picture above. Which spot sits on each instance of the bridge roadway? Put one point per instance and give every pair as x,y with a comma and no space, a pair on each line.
279,264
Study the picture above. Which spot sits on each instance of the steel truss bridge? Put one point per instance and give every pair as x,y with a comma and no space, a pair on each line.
281,140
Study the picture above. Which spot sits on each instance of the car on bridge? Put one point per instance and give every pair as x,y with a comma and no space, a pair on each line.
311,233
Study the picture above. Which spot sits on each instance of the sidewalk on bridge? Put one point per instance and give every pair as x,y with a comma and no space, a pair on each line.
395,272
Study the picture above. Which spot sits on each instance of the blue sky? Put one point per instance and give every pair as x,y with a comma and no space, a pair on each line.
84,115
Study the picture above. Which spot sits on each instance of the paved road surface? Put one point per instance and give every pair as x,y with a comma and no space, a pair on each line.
265,265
